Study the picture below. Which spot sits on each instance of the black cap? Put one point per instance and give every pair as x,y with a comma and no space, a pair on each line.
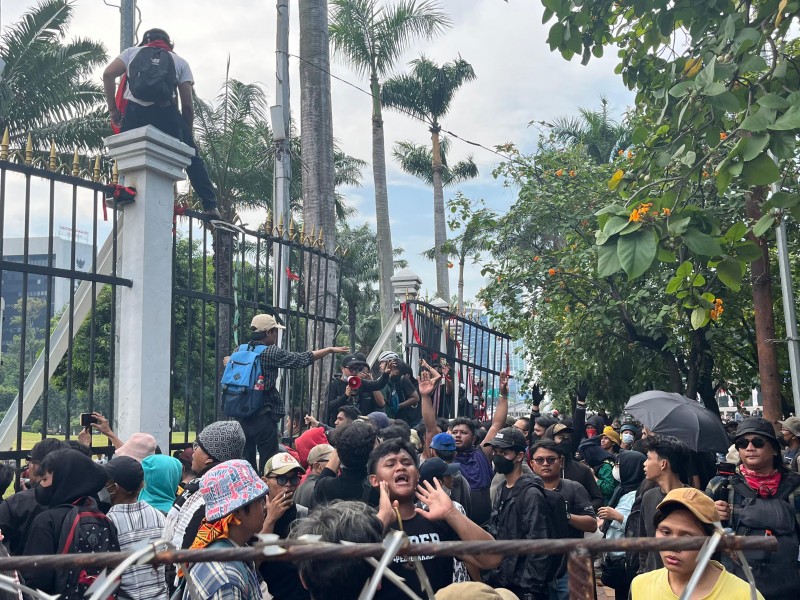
436,467
126,472
351,360
757,425
508,437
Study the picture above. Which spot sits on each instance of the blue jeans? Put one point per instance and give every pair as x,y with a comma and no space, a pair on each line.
559,588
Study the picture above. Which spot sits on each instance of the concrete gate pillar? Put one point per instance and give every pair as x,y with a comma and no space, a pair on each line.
151,161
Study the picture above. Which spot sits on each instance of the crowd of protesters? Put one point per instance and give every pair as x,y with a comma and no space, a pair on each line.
383,458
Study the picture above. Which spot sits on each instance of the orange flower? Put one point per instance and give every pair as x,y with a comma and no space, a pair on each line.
630,154
499,278
666,212
449,265
635,215
705,173
714,314
723,136
551,271
572,173
559,173
620,152
537,258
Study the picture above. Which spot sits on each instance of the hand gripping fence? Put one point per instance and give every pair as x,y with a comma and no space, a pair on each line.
379,556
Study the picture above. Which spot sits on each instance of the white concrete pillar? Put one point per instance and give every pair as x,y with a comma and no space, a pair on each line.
151,161
406,285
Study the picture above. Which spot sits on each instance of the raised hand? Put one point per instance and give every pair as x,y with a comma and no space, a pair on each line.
427,382
536,394
504,384
582,390
436,499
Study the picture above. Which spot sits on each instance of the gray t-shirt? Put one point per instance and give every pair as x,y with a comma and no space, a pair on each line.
182,71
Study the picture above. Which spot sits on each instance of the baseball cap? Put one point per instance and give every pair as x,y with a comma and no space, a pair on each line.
443,441
791,424
508,437
126,472
436,467
474,590
319,453
757,425
353,359
377,418
561,428
282,463
264,322
185,456
629,427
700,505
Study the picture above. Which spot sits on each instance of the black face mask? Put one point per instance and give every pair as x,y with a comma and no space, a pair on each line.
43,494
502,465
534,438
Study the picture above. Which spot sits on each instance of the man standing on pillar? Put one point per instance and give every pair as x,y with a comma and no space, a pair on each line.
261,430
151,73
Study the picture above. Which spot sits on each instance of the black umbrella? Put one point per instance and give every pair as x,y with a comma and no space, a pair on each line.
666,413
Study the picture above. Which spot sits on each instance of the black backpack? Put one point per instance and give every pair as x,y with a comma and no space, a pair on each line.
152,76
85,530
555,507
777,574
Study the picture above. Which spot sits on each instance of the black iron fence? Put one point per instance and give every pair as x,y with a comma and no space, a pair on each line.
58,280
464,345
224,275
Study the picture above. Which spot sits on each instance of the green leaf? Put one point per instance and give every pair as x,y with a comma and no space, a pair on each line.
763,225
759,121
556,36
708,297
788,120
706,76
614,209
782,200
782,145
615,224
754,145
666,256
736,232
726,101
640,135
678,226
674,285
730,274
631,227
723,180
699,280
636,252
700,317
773,101
701,243
715,88
685,270
748,251
762,170
679,90
752,62
607,260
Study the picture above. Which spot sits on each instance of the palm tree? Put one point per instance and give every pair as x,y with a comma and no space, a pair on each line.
370,37
426,93
596,130
47,86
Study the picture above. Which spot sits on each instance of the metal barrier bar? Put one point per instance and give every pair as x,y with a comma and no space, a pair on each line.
296,550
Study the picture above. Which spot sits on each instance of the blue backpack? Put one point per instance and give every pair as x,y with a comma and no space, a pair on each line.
242,390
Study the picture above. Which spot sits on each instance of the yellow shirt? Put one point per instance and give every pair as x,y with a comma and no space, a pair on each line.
655,586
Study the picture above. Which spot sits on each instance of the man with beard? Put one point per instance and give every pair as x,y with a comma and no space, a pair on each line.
518,513
393,469
475,462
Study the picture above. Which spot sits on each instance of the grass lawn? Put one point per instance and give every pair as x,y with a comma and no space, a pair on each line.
99,441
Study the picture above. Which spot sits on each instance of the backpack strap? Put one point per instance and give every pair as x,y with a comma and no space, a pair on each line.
788,484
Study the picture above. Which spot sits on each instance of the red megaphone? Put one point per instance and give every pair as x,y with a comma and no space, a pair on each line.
354,382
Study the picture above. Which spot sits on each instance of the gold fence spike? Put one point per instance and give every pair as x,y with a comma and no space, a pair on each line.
29,150
321,239
114,173
96,173
280,226
309,241
291,229
53,156
268,223
76,164
4,145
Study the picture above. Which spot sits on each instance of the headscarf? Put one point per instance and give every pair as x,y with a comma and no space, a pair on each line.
592,453
162,474
631,474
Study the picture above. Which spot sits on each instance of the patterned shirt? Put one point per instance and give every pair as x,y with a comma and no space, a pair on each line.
234,580
272,359
137,523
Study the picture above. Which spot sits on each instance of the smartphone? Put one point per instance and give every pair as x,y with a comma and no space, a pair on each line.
87,419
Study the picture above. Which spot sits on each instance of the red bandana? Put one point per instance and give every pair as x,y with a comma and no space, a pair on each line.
765,486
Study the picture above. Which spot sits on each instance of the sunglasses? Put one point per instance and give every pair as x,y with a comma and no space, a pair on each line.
745,442
540,460
294,479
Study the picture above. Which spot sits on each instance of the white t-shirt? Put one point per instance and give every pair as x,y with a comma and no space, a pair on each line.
182,70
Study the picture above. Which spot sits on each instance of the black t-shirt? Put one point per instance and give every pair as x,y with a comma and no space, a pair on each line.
281,576
438,568
578,502
404,390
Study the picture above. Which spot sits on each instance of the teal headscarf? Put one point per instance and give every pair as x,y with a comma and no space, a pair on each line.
162,474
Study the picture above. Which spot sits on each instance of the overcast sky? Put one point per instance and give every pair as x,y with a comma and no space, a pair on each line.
518,80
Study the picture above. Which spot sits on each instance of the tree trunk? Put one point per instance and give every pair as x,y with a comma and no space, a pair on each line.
351,323
439,225
764,316
383,228
319,213
222,243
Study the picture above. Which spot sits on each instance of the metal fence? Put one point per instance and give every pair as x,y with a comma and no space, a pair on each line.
58,280
222,277
475,354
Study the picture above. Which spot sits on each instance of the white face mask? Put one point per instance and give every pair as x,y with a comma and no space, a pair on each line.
615,473
627,438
